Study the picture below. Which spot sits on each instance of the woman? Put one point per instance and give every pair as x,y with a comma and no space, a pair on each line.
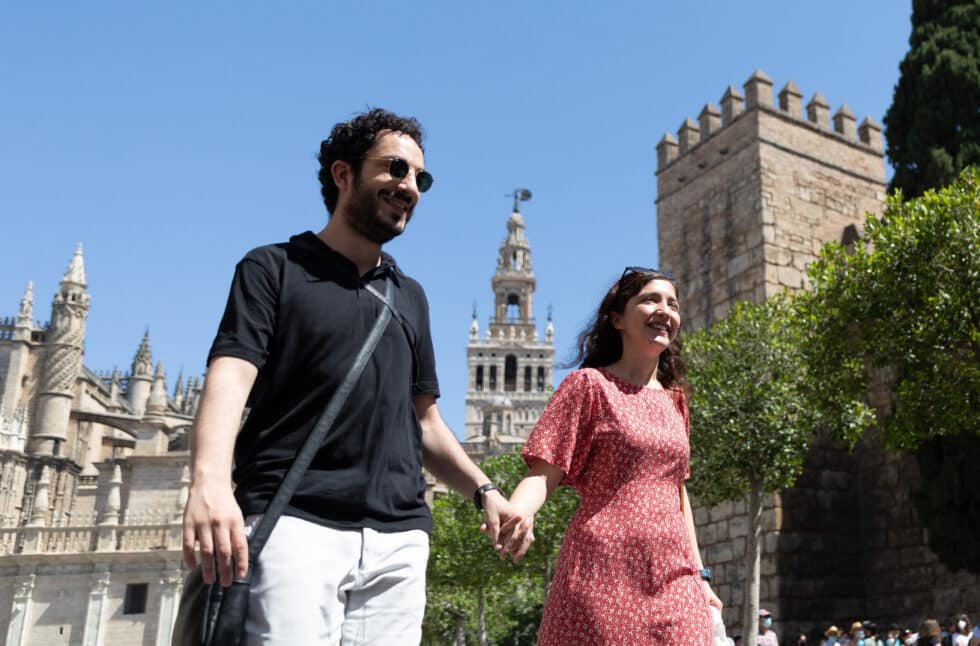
629,570
961,631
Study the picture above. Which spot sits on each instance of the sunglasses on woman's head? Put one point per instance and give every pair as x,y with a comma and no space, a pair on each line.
645,270
398,168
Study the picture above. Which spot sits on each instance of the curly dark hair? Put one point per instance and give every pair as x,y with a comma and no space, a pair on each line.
349,141
600,344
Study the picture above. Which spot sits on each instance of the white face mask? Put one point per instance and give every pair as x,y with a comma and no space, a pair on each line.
961,624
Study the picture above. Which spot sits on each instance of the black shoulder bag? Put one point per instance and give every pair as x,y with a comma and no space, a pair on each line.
212,615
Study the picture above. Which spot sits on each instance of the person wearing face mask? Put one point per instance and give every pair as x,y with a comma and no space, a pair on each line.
871,634
767,636
858,634
831,636
892,636
961,631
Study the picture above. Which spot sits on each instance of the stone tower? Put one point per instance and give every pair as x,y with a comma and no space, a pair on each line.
748,194
62,360
746,197
510,368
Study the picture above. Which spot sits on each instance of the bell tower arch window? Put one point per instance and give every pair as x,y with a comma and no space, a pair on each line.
510,373
513,307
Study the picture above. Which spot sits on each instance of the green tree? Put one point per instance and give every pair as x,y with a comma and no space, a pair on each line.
933,124
754,412
905,302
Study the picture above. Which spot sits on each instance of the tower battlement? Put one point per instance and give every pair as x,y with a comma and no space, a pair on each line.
748,192
758,95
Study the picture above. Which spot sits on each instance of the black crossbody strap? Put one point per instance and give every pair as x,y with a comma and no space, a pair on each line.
306,454
388,303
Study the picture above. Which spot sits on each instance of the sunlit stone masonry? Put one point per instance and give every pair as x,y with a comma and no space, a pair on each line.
93,479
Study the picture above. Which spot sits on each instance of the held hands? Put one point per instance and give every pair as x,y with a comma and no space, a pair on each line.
510,531
213,520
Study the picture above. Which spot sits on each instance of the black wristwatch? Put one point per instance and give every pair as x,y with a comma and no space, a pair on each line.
478,494
705,573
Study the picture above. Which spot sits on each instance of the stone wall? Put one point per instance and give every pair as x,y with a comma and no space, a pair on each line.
903,577
707,223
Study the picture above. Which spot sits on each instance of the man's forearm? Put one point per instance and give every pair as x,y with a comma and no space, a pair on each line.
226,387
443,456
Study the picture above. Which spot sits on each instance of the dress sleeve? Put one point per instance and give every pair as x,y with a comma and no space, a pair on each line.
563,435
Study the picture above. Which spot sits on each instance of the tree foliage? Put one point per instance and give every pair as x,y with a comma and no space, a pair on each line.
933,124
463,568
755,409
906,300
754,406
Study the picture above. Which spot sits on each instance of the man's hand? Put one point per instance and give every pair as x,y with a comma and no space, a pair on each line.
213,519
511,532
496,509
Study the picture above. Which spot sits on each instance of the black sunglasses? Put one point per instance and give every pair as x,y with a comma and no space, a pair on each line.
398,168
645,270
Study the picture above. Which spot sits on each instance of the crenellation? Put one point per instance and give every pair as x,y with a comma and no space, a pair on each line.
666,150
688,135
758,90
791,100
713,121
869,133
844,123
709,120
818,111
732,105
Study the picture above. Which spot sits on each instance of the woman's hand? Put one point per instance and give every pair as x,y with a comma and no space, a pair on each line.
515,537
710,595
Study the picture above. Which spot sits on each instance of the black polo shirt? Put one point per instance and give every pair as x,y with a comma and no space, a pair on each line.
299,312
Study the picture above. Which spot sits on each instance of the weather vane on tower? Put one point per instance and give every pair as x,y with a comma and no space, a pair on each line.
519,195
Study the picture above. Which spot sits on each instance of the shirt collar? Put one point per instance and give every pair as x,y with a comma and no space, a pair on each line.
320,261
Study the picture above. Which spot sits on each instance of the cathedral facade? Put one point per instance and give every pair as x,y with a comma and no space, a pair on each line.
93,479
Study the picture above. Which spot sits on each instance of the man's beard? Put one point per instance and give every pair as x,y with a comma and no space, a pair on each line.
364,217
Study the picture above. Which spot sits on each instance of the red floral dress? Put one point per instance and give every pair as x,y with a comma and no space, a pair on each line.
626,573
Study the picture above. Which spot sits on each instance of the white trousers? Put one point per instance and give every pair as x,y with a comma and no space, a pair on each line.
318,585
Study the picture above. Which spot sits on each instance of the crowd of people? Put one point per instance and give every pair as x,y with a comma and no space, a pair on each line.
958,631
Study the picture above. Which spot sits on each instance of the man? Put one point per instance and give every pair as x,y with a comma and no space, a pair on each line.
767,637
346,561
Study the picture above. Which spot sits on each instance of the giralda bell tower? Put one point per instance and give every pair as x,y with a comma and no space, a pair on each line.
510,367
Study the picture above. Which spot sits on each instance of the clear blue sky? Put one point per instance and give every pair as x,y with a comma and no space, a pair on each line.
170,138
